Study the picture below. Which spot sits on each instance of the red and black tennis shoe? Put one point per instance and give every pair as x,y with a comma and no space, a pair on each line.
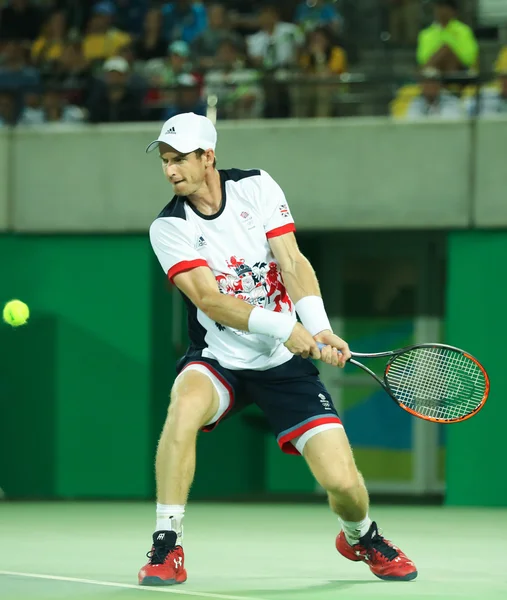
385,560
167,561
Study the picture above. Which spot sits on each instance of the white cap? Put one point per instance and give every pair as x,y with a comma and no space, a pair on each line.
187,132
116,63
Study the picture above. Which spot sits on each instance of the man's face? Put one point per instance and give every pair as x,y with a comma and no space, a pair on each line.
227,54
431,89
443,14
99,23
115,78
216,16
177,62
268,18
185,172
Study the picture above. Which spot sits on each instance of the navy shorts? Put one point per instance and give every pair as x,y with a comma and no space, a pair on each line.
292,397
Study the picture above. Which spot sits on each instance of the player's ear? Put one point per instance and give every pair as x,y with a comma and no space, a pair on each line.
210,158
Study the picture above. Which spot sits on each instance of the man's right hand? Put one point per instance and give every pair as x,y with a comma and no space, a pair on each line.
302,343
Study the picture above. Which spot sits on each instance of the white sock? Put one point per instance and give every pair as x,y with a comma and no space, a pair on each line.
170,518
354,530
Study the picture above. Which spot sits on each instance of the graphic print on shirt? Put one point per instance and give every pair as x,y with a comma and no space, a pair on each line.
260,285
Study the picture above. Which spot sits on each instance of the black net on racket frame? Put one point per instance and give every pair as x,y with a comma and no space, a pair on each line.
437,383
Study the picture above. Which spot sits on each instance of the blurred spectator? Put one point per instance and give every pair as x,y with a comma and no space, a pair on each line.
275,49
48,47
184,20
8,110
205,47
448,45
277,43
319,60
72,73
321,55
137,77
78,14
237,88
318,13
15,72
404,19
113,100
152,43
434,100
131,15
102,40
164,73
19,21
492,99
185,98
501,61
52,109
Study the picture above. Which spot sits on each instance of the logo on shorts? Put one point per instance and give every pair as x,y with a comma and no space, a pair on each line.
325,402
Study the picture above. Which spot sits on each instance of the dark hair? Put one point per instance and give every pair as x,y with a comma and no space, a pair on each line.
449,3
270,7
200,152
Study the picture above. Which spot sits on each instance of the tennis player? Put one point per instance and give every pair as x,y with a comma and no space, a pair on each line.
226,241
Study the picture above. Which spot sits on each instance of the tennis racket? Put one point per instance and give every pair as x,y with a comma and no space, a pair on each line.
434,382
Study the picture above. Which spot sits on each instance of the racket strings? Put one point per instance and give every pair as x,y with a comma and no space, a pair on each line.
437,382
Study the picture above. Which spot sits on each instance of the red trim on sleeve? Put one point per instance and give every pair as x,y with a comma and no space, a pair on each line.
289,228
185,265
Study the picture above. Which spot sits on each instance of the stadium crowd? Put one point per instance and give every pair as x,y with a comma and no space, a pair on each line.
77,61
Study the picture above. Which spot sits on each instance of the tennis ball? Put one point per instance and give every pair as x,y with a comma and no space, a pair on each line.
16,313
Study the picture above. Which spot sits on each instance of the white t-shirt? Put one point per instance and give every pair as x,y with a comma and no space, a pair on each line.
278,49
233,243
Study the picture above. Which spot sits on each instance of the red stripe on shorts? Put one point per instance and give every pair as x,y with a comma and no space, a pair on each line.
285,441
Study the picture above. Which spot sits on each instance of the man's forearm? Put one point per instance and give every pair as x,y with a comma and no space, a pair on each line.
238,314
303,288
227,310
300,280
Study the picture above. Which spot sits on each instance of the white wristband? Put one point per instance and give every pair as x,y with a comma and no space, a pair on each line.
267,322
312,313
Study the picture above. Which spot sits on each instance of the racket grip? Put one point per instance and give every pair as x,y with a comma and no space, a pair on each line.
321,346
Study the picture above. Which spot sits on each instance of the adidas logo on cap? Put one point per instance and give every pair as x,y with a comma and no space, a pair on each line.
171,130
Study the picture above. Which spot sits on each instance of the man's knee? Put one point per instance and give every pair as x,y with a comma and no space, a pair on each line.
194,402
343,485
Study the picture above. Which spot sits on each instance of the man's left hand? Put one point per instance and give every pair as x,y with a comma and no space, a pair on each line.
336,351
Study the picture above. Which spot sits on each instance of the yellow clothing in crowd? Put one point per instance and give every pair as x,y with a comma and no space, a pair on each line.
337,62
99,46
52,50
501,61
458,36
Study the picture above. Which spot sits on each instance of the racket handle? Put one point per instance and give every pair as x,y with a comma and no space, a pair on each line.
321,346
